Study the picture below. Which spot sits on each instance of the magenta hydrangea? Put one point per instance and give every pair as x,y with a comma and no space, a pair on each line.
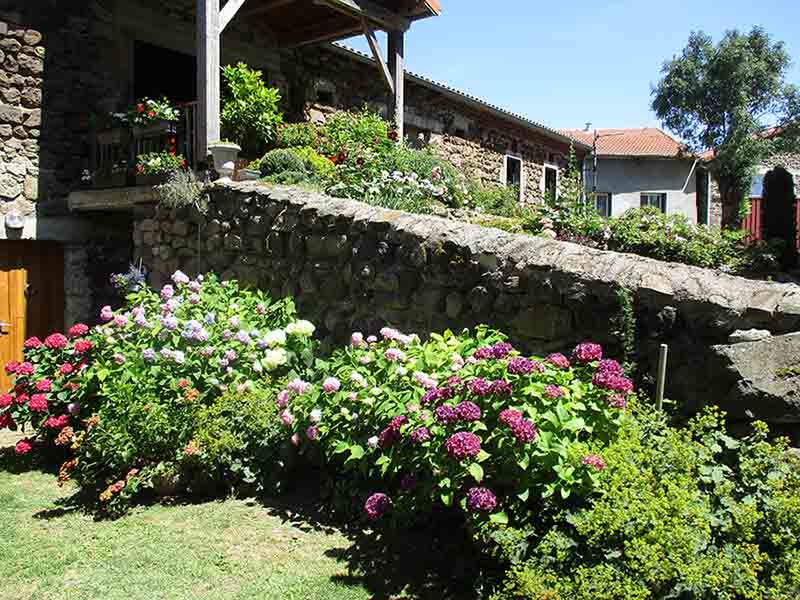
436,395
501,387
446,414
377,505
479,386
509,415
523,429
610,381
481,499
391,433
420,435
468,411
553,391
558,360
483,353
501,350
463,445
610,366
594,461
587,352
519,365
617,401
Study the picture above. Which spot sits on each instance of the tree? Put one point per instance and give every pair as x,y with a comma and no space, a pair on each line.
724,98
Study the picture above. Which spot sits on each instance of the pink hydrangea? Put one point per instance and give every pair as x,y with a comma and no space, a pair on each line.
6,400
66,369
615,383
11,367
31,343
558,360
481,499
295,439
420,435
287,418
509,415
78,330
594,461
283,398
479,386
357,340
331,385
377,505
24,369
394,355
312,433
617,401
587,352
167,292
38,403
425,380
298,386
523,429
43,385
82,346
463,445
468,411
106,314
609,365
56,341
180,278
56,422
553,391
23,447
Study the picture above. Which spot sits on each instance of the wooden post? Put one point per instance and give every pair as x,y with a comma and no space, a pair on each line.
661,376
207,74
397,71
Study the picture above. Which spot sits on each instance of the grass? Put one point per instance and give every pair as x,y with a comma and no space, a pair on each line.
232,549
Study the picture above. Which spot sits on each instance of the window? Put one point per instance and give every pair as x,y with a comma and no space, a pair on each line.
550,181
513,171
658,201
602,203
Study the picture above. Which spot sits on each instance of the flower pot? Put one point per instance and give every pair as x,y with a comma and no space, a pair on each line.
151,180
224,154
155,129
248,175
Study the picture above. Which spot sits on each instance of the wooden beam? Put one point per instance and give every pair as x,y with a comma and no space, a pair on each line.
366,9
397,70
328,30
208,129
265,7
376,54
228,12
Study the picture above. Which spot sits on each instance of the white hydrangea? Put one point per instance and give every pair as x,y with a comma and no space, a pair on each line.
274,359
300,328
276,337
315,416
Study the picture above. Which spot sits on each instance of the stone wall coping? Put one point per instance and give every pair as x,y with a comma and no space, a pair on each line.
500,250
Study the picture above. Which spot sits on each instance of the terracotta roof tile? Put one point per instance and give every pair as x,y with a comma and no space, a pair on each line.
644,141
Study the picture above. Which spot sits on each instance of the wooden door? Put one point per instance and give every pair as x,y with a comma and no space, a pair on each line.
31,296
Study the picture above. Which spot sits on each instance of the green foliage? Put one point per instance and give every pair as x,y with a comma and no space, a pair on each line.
182,188
719,96
678,514
394,390
345,132
427,166
280,161
314,162
494,199
250,112
159,163
297,135
624,328
147,111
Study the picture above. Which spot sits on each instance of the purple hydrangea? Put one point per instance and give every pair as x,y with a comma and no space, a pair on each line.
558,360
312,433
149,354
479,387
587,352
617,401
446,414
483,353
167,292
391,434
610,366
169,322
468,411
481,499
523,429
594,461
420,435
501,350
510,415
377,505
501,387
553,391
454,381
437,395
463,445
520,365
615,383
243,337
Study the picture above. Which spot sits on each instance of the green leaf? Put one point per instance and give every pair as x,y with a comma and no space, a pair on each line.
476,471
447,498
524,495
499,517
356,452
482,456
102,374
524,462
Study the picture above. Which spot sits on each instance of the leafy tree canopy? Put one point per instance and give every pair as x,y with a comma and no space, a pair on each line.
725,97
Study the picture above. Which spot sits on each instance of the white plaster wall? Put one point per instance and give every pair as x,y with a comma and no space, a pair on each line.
627,179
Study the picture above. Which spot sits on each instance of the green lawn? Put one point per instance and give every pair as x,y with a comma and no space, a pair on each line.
217,549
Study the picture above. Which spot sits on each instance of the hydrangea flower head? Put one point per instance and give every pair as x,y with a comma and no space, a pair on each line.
331,385
481,499
594,461
32,342
56,341
167,292
377,505
587,352
180,278
558,360
463,445
468,411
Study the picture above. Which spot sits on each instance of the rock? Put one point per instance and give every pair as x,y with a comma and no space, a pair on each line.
748,335
10,114
758,379
32,37
10,186
10,95
31,188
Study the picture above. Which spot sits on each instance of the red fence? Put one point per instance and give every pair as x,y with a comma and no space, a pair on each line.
753,222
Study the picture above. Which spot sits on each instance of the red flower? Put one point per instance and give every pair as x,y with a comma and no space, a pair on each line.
23,447
32,342
140,108
56,341
83,346
11,367
57,422
6,400
38,403
182,383
78,330
23,369
21,398
6,421
43,385
66,369
151,114
393,135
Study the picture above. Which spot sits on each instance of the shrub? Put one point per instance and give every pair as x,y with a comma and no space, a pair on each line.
461,421
182,188
250,113
427,166
494,199
281,160
677,514
297,135
314,162
345,132
125,393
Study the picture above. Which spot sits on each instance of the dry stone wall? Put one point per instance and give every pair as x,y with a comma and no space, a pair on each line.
354,266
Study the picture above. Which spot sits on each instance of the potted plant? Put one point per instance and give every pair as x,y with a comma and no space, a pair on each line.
152,118
224,154
152,168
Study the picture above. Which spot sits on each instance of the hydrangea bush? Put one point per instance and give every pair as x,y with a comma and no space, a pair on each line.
123,396
464,420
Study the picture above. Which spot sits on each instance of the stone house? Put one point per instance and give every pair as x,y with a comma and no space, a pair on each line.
65,65
645,167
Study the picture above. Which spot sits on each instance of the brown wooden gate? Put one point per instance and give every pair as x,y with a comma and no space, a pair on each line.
31,295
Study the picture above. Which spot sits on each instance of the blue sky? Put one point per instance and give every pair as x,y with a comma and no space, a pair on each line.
565,63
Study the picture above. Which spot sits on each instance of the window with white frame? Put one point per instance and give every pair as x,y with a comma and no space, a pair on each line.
513,171
602,203
550,181
656,200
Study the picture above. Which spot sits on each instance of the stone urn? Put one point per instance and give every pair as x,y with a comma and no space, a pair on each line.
225,155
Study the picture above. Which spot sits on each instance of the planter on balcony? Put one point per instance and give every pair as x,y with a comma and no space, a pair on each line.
155,129
224,154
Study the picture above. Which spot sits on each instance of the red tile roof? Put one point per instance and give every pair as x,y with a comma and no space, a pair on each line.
644,141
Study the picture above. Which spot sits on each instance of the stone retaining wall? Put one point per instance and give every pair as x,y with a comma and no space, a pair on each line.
354,266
